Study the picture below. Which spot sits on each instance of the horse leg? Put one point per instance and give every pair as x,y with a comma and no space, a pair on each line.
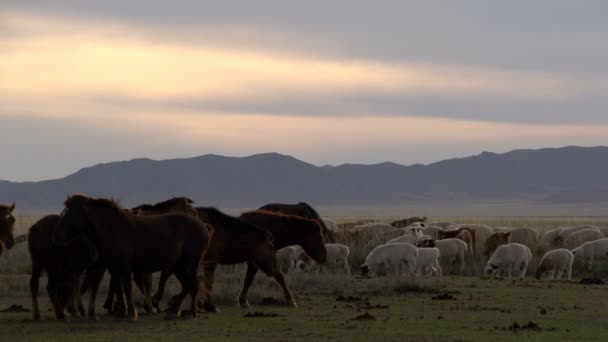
160,290
34,285
347,267
52,290
74,301
113,290
127,283
251,271
144,283
116,287
95,281
209,277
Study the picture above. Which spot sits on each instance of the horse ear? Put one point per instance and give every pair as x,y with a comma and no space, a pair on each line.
11,208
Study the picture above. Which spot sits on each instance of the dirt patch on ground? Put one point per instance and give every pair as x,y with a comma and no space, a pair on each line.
15,308
488,308
352,299
261,315
443,296
592,281
528,327
364,317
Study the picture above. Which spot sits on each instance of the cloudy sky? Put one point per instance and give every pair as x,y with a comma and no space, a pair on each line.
329,82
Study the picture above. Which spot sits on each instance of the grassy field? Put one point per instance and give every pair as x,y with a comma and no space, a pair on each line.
339,307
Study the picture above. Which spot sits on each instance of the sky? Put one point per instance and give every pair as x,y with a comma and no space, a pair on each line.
328,82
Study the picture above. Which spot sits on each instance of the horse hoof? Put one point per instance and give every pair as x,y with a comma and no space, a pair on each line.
93,317
208,307
292,303
36,316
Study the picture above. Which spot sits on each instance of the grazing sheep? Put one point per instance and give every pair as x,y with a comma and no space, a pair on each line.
288,256
409,221
557,260
408,238
442,224
482,233
591,250
432,231
373,228
451,249
336,253
525,236
578,238
510,257
548,241
330,224
494,241
566,232
397,255
428,260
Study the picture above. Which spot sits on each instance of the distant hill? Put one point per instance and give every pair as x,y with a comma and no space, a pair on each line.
531,175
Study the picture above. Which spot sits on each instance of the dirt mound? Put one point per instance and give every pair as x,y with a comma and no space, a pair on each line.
261,315
364,317
592,281
351,299
15,308
530,326
443,296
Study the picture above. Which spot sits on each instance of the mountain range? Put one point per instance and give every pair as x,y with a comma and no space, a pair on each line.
552,175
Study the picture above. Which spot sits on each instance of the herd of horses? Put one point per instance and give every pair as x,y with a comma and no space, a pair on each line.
95,235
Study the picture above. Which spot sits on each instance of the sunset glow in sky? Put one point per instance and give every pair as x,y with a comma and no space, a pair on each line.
85,82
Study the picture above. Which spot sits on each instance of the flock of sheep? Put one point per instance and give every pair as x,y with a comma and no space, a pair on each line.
417,249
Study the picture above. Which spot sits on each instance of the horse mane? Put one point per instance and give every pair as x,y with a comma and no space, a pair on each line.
230,222
78,199
286,217
164,205
4,207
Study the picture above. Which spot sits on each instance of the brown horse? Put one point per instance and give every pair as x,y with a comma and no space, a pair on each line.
301,209
286,230
408,221
469,238
234,241
7,222
129,243
62,265
144,280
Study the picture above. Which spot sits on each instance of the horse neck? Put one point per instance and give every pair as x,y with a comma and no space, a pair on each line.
106,220
286,234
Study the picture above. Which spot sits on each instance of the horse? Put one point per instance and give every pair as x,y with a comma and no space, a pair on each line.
63,267
129,243
301,209
408,221
7,223
144,280
286,230
469,238
234,241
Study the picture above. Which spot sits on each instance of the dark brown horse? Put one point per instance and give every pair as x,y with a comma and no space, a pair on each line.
408,221
144,280
286,230
129,243
7,222
234,241
301,209
63,266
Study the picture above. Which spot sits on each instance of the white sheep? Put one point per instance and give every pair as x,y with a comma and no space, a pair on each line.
591,250
525,236
578,238
374,228
556,261
548,241
509,257
566,232
407,238
396,255
451,249
442,224
428,260
336,254
330,224
432,231
287,257
603,230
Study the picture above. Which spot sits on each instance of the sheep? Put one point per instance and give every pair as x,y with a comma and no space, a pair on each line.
432,231
288,256
591,250
482,233
373,228
397,255
409,221
428,260
566,232
394,234
494,241
451,249
578,238
336,253
548,241
603,230
442,224
557,260
525,236
330,224
509,257
465,234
